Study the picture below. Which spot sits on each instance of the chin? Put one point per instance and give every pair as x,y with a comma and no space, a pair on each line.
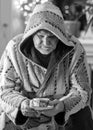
45,52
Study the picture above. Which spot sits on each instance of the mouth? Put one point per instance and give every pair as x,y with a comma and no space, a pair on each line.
46,47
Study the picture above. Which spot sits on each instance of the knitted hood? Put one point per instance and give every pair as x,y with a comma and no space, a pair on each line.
49,17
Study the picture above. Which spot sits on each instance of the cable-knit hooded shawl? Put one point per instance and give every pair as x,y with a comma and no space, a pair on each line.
21,78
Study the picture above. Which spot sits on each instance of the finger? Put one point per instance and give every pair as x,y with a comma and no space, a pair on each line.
54,102
60,107
49,113
29,113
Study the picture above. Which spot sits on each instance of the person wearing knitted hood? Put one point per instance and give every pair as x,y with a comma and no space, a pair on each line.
44,77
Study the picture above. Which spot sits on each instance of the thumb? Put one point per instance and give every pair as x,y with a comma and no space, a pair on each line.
54,102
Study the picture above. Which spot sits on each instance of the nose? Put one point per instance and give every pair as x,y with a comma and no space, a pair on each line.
46,41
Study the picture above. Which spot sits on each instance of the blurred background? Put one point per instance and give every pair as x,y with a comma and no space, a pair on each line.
78,16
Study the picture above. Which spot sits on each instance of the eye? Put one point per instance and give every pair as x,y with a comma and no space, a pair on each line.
52,37
40,36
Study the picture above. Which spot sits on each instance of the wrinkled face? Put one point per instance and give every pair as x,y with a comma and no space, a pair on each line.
45,42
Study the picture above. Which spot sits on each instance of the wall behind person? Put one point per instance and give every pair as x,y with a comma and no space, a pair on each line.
11,22
5,19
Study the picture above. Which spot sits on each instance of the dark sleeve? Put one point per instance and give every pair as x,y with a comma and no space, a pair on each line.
60,118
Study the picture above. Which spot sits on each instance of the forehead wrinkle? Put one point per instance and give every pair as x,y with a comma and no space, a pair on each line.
45,32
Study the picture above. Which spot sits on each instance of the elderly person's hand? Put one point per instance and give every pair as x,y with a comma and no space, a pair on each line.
27,110
58,107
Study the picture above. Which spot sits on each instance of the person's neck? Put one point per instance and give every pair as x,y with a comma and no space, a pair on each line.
40,58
